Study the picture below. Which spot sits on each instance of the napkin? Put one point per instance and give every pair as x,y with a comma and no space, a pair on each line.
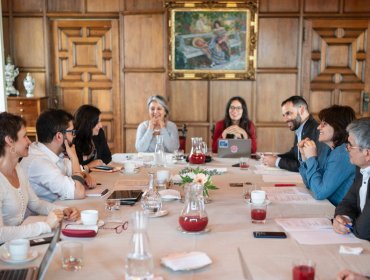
350,250
170,194
218,169
186,260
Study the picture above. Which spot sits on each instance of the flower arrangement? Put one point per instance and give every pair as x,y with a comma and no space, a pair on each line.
200,176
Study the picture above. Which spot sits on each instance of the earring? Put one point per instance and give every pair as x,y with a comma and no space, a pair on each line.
12,149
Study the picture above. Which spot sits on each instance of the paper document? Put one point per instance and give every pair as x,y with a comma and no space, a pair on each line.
287,194
314,231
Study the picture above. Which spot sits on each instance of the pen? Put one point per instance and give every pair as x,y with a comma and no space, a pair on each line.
285,185
349,226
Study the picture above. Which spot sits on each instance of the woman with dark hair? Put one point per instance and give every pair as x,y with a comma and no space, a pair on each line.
158,124
330,174
91,145
236,124
17,198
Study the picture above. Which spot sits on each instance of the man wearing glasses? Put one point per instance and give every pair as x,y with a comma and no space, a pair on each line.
353,213
53,175
296,115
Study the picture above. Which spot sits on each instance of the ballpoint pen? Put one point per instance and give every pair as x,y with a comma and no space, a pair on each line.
349,226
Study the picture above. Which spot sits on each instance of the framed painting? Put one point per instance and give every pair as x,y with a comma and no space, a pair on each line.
212,39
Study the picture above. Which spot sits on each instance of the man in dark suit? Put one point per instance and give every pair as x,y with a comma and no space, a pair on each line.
353,213
296,115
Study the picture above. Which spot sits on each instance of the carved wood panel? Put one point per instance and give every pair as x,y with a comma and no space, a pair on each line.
335,56
87,72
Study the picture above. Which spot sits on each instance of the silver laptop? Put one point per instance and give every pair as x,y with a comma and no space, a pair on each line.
31,273
234,148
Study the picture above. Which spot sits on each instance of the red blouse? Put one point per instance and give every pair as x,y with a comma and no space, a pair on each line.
219,128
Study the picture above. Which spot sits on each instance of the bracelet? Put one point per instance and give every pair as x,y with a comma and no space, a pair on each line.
78,178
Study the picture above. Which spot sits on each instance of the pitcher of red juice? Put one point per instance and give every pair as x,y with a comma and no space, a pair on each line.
196,154
193,216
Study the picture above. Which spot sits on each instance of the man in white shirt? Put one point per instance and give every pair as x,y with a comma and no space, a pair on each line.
51,174
353,213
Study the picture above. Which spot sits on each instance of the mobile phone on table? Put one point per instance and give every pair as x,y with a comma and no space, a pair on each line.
104,167
269,234
237,185
40,241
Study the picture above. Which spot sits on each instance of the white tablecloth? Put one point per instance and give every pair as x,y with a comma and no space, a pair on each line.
231,227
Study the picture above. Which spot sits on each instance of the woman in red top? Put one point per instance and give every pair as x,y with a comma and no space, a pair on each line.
236,124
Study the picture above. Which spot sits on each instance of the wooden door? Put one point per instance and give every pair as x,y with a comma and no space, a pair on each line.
86,63
336,64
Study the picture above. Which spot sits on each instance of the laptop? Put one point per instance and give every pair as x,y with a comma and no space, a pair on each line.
234,148
31,273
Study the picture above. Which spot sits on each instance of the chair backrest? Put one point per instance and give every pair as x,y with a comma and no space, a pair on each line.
182,137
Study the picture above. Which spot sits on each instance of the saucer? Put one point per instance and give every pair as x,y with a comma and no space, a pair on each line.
158,214
248,201
136,170
207,229
100,223
5,257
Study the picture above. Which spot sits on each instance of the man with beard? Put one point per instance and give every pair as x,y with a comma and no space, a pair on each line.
52,175
296,115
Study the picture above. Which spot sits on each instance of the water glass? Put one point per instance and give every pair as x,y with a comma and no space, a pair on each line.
179,154
112,204
243,163
303,270
72,255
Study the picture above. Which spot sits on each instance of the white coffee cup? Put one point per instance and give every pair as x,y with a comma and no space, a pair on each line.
129,167
89,217
258,196
18,249
163,176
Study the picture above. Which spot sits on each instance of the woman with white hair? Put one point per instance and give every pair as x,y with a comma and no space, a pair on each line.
158,124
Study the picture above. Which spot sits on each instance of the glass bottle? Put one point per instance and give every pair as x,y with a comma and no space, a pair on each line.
151,200
193,216
139,260
159,155
196,154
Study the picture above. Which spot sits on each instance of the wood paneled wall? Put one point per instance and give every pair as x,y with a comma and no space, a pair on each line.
286,61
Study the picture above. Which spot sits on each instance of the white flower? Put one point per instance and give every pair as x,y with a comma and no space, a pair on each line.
200,178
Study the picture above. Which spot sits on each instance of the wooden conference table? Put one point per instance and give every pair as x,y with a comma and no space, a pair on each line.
231,227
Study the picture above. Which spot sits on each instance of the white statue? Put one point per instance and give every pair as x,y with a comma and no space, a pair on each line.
10,74
29,85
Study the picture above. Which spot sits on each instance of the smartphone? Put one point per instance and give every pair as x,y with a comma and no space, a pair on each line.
104,167
40,241
238,185
269,234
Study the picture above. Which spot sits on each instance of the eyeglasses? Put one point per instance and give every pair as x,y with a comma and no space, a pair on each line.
72,131
237,108
118,227
349,146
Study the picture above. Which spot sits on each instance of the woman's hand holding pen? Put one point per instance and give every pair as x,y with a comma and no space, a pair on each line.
342,224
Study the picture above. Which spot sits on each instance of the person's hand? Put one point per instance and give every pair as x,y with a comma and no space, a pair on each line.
71,214
309,148
70,150
95,162
300,146
235,130
54,218
350,275
339,224
90,181
269,160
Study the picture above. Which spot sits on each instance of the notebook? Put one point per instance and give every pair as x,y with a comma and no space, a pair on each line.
32,273
234,148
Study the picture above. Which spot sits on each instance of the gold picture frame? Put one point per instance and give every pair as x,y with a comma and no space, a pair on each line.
213,40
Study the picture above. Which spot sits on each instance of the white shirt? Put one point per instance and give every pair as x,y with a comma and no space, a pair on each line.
13,205
49,174
363,189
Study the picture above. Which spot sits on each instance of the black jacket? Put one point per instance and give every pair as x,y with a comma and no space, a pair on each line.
350,206
289,160
102,149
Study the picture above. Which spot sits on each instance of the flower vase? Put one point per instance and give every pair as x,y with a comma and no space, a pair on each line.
206,197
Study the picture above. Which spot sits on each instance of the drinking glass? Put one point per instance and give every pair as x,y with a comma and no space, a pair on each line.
243,163
179,154
72,255
303,270
258,213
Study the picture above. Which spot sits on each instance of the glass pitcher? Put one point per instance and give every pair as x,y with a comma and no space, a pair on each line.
196,154
139,260
151,201
193,216
159,155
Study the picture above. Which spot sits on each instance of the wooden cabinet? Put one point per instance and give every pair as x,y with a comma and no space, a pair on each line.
29,109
